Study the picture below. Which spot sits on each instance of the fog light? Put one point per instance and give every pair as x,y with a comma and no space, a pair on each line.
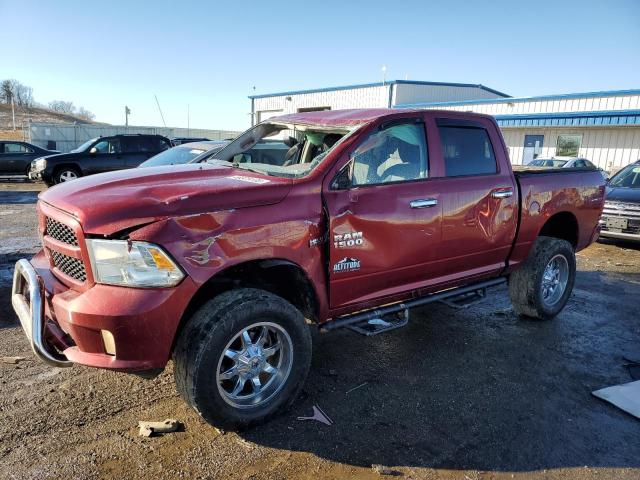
109,342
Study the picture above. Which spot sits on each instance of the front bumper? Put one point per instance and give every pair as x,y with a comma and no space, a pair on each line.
620,235
67,326
35,175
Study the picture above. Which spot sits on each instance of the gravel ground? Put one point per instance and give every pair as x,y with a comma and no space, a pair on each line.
468,394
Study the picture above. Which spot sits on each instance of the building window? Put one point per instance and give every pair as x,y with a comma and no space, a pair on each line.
313,109
568,145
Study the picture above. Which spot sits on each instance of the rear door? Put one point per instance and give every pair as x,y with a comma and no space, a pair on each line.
384,215
479,198
135,150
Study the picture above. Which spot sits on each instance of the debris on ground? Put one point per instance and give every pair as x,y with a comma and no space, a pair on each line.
626,397
382,470
355,388
147,429
318,416
12,360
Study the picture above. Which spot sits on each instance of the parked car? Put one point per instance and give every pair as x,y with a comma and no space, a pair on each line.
224,266
180,140
16,156
98,155
621,214
566,162
186,153
270,152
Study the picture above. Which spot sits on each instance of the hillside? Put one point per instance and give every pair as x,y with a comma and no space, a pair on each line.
23,115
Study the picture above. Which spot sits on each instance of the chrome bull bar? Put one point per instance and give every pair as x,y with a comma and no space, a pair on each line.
27,300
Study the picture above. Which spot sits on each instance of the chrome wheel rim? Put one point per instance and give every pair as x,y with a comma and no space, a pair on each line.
554,280
255,365
68,175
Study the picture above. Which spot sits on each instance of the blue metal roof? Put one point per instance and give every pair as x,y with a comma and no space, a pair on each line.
378,84
564,96
571,119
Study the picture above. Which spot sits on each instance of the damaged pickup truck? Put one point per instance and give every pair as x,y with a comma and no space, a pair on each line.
224,266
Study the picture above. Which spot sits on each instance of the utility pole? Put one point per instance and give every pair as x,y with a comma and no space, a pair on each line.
384,75
188,122
160,110
127,112
13,113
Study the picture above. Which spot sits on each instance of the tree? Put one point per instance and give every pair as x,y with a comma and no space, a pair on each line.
62,106
20,93
85,114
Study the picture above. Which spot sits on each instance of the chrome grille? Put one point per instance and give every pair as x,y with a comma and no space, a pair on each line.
61,232
70,266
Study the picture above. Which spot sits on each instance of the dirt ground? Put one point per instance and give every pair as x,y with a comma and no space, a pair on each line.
465,394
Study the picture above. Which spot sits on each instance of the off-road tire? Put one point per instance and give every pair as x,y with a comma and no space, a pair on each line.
57,176
525,283
205,336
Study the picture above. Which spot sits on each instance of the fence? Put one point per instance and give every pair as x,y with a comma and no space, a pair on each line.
67,136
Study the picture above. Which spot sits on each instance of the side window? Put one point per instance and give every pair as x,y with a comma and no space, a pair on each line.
109,145
466,151
154,144
395,154
16,148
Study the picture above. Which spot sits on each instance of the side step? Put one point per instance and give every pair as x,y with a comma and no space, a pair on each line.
465,300
381,324
361,321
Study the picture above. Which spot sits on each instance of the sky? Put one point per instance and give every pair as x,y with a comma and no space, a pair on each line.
205,57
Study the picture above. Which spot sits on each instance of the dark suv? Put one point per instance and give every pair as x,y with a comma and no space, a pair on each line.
102,154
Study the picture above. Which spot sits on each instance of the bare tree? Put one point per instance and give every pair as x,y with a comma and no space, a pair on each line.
6,92
85,114
62,106
20,93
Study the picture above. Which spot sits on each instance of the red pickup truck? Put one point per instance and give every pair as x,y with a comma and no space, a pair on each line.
223,266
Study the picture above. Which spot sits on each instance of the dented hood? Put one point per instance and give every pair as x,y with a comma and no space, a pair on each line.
110,202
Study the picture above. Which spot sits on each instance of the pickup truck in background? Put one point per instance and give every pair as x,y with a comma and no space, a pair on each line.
223,266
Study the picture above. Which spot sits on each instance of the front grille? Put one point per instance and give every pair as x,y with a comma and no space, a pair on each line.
61,232
70,266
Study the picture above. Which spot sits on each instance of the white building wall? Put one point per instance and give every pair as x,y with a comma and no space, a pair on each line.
608,148
366,97
570,104
414,93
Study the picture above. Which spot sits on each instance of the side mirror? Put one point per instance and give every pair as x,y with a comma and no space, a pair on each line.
93,150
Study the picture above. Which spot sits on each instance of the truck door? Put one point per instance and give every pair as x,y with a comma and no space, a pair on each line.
479,199
104,156
384,215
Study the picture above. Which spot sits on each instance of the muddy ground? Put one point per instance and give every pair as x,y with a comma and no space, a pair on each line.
468,394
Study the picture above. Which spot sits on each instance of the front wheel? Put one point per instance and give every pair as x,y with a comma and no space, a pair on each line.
66,174
541,286
242,358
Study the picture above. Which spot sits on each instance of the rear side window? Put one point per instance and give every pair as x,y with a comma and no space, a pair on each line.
467,151
16,148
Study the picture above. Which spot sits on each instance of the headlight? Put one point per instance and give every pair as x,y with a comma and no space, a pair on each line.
132,264
39,164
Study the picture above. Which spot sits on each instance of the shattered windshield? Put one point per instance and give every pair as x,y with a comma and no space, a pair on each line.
281,150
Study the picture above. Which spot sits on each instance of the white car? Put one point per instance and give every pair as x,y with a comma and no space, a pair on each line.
564,162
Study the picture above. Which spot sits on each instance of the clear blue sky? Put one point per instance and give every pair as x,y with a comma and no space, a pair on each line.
210,55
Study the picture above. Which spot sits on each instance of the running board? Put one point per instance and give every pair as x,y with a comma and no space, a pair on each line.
380,313
465,300
377,325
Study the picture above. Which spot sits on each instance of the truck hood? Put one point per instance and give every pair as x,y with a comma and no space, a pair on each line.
111,202
621,194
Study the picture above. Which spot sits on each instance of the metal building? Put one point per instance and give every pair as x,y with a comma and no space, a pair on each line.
603,127
370,95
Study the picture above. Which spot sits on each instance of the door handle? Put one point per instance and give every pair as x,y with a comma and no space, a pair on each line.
423,203
502,192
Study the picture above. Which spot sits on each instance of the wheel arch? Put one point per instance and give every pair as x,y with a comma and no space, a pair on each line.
562,225
272,275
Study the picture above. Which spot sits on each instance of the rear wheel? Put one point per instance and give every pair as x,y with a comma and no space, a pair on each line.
66,174
242,358
542,285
